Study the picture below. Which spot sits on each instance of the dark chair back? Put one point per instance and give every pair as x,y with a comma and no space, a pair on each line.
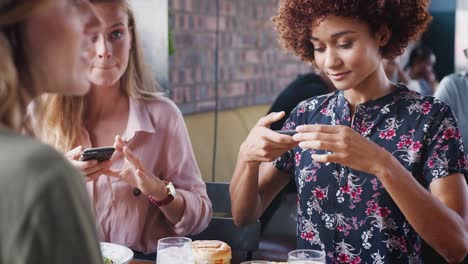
244,239
219,196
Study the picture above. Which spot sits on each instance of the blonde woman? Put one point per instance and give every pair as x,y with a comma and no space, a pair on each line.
45,213
137,204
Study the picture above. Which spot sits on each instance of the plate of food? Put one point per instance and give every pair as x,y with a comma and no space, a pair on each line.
115,254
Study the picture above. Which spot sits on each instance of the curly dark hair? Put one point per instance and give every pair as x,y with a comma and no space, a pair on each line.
406,20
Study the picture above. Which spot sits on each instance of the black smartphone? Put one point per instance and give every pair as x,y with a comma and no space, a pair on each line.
289,132
100,154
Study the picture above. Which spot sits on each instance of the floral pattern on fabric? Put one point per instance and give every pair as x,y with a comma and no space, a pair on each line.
348,213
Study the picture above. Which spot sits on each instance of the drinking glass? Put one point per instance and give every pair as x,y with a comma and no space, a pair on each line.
175,250
306,256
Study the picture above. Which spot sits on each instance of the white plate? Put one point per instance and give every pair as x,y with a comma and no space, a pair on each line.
117,253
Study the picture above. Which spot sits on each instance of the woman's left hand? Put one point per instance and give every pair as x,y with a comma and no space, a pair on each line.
134,173
347,147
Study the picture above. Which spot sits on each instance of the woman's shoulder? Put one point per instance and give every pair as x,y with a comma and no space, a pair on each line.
316,103
25,159
161,110
413,99
319,99
456,77
405,94
159,104
454,81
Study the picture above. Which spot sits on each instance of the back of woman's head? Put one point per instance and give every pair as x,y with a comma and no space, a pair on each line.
405,19
16,74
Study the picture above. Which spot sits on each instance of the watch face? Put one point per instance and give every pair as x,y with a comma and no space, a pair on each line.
171,189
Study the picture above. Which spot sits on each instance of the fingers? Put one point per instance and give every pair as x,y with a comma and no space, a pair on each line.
269,156
264,144
330,158
75,153
135,178
325,137
93,176
304,136
83,165
121,147
267,120
278,138
119,143
320,128
320,145
314,136
268,145
134,161
98,167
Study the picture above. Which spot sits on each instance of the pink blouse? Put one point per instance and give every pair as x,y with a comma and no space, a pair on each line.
157,134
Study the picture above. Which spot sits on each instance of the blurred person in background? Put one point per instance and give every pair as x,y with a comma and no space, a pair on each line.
45,213
453,90
152,187
378,167
420,70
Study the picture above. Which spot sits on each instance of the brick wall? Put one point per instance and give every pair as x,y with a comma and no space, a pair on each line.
252,69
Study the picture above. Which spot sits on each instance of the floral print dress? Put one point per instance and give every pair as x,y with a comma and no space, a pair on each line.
348,213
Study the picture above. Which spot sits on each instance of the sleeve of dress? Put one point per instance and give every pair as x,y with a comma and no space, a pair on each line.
60,227
444,147
183,172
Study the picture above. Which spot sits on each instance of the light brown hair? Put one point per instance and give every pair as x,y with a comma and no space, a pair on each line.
63,119
16,74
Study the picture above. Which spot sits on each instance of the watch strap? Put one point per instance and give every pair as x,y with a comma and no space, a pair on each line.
168,199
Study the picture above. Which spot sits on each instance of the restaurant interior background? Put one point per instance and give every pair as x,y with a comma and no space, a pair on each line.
225,68
220,62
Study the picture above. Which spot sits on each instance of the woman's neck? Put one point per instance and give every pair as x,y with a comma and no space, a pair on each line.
375,86
103,102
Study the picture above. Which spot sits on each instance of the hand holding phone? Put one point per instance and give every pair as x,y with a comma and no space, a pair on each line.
100,154
289,132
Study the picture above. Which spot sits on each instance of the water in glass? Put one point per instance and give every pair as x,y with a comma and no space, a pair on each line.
306,256
175,250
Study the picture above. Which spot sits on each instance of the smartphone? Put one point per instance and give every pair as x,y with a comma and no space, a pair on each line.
100,154
289,132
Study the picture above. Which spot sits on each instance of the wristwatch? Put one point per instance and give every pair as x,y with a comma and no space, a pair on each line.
171,195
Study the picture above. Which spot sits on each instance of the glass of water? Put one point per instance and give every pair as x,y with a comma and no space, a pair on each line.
175,250
306,256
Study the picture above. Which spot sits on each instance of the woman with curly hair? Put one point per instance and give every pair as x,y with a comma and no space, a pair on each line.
378,167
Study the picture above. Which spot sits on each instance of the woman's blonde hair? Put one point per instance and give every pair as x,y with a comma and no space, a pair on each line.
63,119
16,73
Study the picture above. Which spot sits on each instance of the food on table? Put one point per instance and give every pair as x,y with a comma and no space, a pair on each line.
211,252
108,261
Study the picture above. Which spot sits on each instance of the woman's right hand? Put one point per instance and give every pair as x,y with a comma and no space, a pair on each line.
263,144
90,168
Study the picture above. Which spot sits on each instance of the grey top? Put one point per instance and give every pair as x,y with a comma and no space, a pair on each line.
45,213
453,90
